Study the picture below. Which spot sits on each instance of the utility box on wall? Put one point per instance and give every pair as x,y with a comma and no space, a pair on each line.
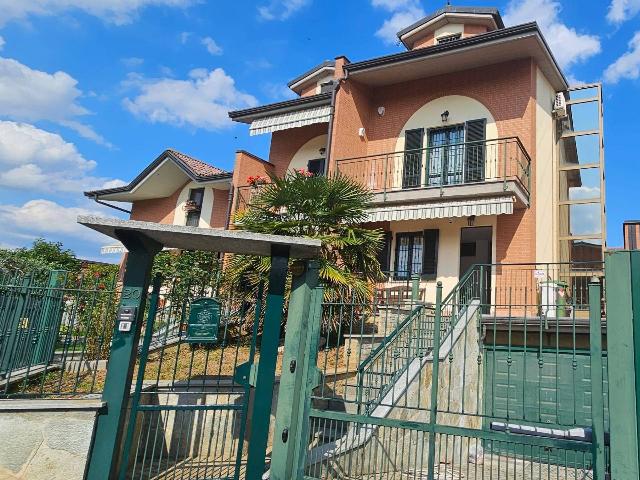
622,269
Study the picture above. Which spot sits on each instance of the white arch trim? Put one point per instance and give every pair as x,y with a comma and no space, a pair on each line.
308,151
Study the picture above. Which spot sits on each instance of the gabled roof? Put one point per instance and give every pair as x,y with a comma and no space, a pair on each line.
194,169
459,10
198,167
520,41
327,64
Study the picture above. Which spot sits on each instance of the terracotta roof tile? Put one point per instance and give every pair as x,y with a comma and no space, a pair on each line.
198,167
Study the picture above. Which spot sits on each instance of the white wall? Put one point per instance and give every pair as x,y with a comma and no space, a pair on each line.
308,151
180,216
449,29
546,194
461,109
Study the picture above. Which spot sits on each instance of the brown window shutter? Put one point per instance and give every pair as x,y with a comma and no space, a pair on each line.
430,253
475,148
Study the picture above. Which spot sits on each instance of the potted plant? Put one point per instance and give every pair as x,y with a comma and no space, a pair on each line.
191,206
256,181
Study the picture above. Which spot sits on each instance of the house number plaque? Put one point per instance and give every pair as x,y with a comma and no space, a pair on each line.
204,321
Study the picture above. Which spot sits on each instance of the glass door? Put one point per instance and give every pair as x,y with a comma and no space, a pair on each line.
445,156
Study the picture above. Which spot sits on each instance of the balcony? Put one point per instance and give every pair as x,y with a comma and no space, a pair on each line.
470,169
244,195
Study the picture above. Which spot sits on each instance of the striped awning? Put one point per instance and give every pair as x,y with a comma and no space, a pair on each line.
451,209
288,120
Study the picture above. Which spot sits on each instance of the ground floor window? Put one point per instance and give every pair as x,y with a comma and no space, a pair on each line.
416,253
409,249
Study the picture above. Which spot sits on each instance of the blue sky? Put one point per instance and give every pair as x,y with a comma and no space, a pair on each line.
91,91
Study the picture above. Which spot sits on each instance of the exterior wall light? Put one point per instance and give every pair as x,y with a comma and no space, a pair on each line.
445,116
322,151
381,111
471,220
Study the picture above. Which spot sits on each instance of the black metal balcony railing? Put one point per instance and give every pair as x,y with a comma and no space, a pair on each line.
503,159
244,195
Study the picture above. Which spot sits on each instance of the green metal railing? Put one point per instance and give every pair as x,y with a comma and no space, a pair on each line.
475,386
412,339
55,332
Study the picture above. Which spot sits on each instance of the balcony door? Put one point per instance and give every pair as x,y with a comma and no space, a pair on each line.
445,158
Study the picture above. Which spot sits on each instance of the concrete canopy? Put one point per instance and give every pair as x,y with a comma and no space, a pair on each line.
205,239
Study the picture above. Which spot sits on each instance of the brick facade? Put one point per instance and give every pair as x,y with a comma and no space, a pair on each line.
159,210
285,144
507,90
246,165
220,211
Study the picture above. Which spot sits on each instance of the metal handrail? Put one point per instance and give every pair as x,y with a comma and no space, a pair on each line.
502,159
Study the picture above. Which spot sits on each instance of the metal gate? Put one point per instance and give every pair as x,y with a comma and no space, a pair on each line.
404,391
189,407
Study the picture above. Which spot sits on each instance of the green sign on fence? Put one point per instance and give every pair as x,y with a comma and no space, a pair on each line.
204,320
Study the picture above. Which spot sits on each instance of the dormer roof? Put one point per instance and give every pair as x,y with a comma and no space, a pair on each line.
170,170
470,15
324,68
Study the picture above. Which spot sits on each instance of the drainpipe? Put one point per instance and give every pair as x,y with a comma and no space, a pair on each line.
101,202
334,89
229,205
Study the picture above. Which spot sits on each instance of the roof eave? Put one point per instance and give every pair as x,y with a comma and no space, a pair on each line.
493,12
250,114
150,168
311,72
476,40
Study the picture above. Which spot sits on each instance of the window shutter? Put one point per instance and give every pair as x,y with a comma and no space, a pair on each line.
412,160
316,166
474,159
384,255
430,253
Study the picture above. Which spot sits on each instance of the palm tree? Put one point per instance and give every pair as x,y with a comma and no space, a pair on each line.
328,208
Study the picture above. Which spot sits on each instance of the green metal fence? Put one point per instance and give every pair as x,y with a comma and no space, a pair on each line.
498,379
55,332
189,405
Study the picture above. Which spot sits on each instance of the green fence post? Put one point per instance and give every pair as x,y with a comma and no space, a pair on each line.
261,413
415,289
635,299
435,370
597,395
298,374
144,354
124,346
623,343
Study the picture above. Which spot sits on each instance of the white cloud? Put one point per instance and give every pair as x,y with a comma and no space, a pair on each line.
567,44
39,161
132,62
119,12
281,9
404,13
258,64
626,66
202,100
184,37
34,219
623,10
32,95
2,42
278,91
212,47
393,5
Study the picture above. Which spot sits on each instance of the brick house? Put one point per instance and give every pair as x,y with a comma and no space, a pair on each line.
472,142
